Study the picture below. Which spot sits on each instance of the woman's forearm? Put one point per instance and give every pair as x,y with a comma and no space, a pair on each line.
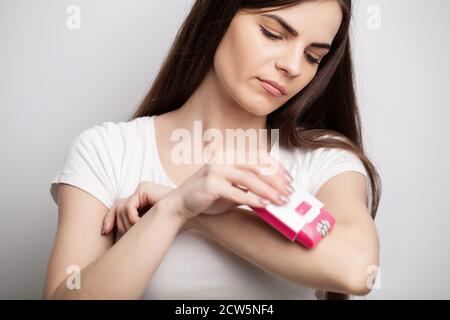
125,270
332,266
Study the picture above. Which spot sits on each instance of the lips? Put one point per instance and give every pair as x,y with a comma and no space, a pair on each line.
272,87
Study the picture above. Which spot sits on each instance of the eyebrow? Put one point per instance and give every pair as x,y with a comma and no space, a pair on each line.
294,32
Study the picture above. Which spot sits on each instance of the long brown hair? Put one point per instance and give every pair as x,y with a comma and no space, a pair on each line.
322,115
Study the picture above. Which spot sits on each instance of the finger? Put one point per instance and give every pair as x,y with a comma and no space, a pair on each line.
270,166
239,187
279,179
153,195
120,225
256,184
108,222
132,211
239,196
127,225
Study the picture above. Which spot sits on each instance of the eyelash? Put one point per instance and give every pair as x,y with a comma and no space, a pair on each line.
273,37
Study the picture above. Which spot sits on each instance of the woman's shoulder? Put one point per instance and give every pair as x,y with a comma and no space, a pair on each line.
323,158
115,133
99,155
322,161
110,143
111,126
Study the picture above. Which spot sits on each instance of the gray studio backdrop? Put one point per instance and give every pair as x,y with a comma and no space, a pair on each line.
56,81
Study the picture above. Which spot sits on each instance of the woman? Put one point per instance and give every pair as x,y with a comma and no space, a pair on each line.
218,72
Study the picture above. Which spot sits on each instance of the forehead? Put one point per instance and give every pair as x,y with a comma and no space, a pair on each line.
315,20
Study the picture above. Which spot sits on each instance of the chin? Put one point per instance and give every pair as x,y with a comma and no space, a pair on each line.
257,110
261,108
257,104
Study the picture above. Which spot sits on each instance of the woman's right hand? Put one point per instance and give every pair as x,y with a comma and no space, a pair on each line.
216,188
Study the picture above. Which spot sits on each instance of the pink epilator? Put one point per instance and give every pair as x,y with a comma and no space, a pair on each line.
302,219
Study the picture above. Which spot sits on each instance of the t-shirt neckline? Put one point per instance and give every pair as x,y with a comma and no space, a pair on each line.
158,159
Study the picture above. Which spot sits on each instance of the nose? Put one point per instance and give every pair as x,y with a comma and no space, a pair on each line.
291,61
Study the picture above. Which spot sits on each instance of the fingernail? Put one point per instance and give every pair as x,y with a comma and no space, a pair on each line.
283,198
289,189
288,177
264,202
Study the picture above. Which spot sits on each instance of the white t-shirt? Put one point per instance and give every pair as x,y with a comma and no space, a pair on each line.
109,160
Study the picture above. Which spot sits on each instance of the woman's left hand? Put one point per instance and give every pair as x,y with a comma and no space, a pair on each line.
128,211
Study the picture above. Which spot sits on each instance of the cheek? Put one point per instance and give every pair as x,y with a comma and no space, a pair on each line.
237,55
242,56
310,75
307,76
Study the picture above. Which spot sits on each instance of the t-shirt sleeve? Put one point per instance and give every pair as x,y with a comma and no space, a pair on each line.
88,165
329,162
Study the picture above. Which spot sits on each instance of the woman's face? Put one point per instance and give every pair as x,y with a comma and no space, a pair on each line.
256,47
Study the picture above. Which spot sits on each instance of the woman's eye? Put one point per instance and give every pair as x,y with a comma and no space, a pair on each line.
274,37
312,59
270,35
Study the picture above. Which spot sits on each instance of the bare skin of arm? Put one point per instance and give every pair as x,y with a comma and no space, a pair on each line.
108,271
123,270
339,263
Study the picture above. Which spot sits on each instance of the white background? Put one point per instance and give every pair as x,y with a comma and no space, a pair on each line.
54,83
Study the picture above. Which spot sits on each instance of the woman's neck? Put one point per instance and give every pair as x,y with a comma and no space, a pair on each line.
210,108
216,109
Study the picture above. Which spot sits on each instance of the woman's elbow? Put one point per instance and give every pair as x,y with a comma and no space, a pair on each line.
48,292
59,292
48,295
361,274
357,286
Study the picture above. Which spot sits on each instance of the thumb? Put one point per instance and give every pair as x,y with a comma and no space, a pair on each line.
132,207
108,222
